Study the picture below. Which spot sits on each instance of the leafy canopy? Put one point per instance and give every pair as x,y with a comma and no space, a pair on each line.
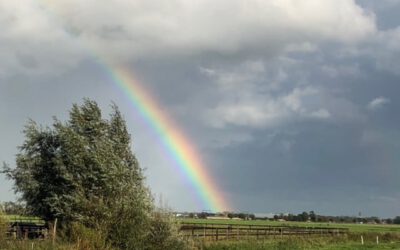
80,170
83,173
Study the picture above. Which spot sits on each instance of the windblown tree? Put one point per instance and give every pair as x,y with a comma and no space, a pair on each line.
83,170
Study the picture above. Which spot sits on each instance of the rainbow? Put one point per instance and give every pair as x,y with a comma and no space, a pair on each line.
177,145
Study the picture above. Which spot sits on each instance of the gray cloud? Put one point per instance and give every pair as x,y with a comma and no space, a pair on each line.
276,95
31,43
154,28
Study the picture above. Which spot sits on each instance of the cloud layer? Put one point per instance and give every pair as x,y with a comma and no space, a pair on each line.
300,93
132,30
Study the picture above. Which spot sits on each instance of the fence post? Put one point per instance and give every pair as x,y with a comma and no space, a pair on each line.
55,230
216,235
377,240
362,240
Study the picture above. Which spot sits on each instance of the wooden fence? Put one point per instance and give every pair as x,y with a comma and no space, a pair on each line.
225,232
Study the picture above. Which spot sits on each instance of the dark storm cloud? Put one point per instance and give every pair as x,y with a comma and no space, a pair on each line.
314,162
340,163
292,109
385,10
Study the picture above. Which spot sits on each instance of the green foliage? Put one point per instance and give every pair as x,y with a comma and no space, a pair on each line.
87,238
396,220
164,233
83,171
13,208
79,170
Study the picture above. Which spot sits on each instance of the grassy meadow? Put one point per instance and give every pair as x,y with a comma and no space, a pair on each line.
389,236
300,244
354,228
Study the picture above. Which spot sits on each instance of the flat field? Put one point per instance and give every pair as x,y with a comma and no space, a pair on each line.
300,244
389,236
355,228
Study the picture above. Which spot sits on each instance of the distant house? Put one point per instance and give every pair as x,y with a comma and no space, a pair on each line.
216,218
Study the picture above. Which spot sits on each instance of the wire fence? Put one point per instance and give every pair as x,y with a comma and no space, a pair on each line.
217,232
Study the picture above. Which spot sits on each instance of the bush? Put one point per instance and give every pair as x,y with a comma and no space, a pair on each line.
164,233
87,238
158,231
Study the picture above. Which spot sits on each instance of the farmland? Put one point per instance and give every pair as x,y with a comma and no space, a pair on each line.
301,243
262,234
354,228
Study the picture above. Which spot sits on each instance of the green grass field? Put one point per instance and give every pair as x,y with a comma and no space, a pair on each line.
299,244
356,228
22,218
389,236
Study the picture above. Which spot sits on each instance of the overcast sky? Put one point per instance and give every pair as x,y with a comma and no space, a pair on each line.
293,105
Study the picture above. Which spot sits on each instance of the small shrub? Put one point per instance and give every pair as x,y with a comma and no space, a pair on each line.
164,233
86,238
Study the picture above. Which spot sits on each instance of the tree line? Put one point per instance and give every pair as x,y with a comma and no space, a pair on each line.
301,217
313,217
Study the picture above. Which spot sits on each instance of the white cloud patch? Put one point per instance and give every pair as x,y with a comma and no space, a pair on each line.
321,113
130,30
248,97
273,93
378,103
187,27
